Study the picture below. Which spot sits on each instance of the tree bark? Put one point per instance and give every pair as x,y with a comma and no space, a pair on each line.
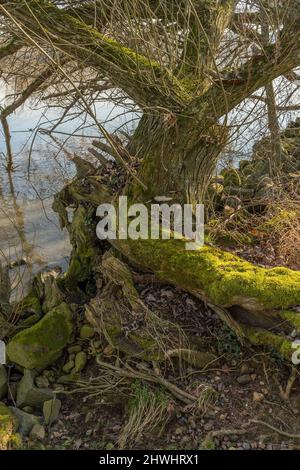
178,157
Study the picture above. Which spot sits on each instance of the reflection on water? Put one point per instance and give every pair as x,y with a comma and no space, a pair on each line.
30,236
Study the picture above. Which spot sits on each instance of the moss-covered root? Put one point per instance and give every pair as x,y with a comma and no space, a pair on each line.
277,343
245,293
250,295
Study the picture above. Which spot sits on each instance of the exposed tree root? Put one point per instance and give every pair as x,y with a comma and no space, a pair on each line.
198,403
273,428
208,441
285,394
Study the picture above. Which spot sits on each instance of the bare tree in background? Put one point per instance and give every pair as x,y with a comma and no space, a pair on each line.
169,59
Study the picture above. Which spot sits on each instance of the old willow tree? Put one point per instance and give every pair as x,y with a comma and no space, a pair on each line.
186,64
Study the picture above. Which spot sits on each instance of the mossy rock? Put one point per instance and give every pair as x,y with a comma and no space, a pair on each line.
8,426
26,421
42,344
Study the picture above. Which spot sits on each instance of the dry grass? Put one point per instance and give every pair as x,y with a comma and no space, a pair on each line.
148,410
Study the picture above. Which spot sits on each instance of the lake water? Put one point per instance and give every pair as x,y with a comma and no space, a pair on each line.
29,229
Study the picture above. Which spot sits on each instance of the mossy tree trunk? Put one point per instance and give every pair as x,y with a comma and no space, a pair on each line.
179,156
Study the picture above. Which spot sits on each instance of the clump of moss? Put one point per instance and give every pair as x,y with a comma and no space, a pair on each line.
293,318
42,344
260,337
221,277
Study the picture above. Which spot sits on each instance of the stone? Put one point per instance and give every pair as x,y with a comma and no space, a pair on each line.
50,374
37,432
80,361
244,379
42,382
74,349
108,350
8,426
179,430
3,382
30,395
68,366
246,446
246,369
258,397
68,379
26,420
39,346
86,332
28,409
51,410
208,426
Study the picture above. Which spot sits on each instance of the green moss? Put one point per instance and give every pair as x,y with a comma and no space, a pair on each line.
84,241
8,426
292,317
42,344
221,277
260,337
208,443
280,221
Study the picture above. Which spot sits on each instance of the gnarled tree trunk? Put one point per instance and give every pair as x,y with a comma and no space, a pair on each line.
179,155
